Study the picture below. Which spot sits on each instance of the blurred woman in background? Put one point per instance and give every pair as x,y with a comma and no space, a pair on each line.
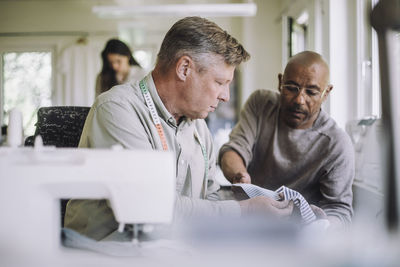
119,66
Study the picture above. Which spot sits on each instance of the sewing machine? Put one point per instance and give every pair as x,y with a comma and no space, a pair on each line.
368,187
366,135
140,186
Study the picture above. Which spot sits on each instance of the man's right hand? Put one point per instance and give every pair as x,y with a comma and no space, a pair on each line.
242,177
266,206
233,167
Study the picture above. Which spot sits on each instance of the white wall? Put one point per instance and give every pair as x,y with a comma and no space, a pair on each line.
31,16
262,37
342,58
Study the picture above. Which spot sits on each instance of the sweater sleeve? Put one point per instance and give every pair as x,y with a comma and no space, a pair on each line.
243,135
336,183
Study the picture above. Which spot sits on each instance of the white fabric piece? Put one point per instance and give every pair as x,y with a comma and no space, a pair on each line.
254,191
76,70
299,201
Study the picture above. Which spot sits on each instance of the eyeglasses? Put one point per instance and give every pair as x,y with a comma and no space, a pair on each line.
292,90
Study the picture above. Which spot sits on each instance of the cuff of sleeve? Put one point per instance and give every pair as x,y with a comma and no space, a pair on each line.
230,208
338,222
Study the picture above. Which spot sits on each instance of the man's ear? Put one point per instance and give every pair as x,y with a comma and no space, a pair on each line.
326,92
183,67
280,81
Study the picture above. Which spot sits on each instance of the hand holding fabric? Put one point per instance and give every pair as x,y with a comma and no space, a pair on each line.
267,206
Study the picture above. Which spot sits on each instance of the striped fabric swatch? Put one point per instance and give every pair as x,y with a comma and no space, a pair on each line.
306,212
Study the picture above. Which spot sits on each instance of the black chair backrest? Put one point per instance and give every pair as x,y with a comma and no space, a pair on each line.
59,126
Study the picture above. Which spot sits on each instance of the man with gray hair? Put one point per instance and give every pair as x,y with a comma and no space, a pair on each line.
194,68
286,139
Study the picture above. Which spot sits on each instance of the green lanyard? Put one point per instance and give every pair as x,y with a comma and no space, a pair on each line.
153,112
160,130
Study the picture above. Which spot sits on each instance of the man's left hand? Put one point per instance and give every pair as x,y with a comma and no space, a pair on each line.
319,213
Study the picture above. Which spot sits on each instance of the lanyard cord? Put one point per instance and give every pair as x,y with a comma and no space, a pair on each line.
154,115
160,130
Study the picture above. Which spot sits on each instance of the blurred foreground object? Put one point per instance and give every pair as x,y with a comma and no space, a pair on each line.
385,18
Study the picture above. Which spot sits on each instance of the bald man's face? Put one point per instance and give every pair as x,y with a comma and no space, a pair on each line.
303,87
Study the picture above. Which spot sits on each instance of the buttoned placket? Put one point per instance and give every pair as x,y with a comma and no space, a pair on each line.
182,162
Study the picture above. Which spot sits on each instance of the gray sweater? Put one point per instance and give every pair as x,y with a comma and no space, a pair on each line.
317,162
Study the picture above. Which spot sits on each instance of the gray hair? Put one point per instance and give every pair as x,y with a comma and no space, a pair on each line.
195,37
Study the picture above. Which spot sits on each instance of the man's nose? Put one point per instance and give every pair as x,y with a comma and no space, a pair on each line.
224,95
300,97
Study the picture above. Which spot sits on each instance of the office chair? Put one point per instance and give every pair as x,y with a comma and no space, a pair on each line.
60,126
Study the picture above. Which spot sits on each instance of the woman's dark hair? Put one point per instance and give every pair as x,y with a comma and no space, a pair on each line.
108,76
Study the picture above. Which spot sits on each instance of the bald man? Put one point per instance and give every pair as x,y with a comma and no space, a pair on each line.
286,139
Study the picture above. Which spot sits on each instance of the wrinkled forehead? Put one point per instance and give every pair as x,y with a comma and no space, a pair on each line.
307,72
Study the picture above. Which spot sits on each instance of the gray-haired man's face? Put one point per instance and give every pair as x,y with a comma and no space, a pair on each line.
205,89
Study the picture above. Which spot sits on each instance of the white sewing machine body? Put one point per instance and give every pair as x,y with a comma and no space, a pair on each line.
140,186
368,187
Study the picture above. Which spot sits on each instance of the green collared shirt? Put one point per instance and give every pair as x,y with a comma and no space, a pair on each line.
121,116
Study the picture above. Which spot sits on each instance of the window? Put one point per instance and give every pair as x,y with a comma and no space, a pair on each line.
368,92
144,57
298,33
25,84
134,34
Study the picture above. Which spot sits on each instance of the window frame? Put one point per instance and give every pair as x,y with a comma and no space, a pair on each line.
24,49
368,81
